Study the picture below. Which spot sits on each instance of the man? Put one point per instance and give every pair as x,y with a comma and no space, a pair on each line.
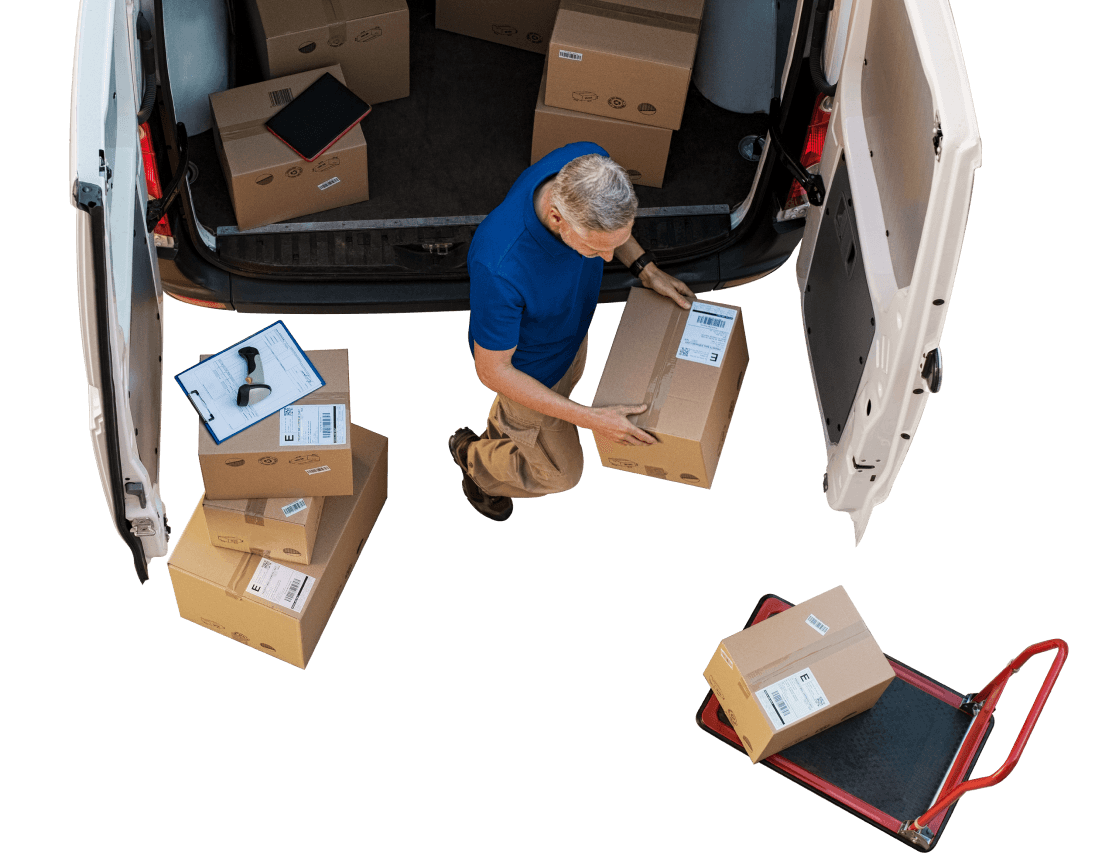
536,267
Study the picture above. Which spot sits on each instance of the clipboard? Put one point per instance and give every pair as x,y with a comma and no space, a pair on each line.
212,384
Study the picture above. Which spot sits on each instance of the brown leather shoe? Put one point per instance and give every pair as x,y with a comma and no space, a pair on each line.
494,507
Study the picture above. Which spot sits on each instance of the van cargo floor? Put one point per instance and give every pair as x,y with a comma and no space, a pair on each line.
455,146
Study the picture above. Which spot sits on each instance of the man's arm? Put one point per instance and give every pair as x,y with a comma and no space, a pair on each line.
497,373
653,277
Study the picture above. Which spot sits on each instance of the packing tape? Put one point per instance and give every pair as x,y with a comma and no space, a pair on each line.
337,22
237,585
833,642
243,130
634,15
254,512
660,381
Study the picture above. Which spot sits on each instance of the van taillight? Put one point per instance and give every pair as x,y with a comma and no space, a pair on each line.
812,154
154,186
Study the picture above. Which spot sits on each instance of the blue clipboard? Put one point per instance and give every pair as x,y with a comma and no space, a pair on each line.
211,385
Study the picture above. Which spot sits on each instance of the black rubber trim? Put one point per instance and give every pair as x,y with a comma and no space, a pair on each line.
946,816
108,392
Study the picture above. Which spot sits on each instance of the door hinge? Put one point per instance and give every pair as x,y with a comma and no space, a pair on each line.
87,196
142,526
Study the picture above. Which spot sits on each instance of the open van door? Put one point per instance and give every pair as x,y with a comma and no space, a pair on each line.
117,269
878,258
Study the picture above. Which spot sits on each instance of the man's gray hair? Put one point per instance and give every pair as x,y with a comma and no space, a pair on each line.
595,194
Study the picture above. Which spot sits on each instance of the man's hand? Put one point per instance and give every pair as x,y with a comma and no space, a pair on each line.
667,285
612,423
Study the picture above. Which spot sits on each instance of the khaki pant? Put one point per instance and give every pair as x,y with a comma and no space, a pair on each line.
523,453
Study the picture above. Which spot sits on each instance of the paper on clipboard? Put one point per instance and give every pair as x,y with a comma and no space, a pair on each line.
212,384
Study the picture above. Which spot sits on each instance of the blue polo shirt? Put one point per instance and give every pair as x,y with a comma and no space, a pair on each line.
529,289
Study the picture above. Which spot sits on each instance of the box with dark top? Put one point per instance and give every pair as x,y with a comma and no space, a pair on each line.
302,450
265,604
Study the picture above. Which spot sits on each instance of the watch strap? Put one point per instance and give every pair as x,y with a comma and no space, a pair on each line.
641,262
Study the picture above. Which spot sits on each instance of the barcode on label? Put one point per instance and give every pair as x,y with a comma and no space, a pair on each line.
781,705
295,587
818,625
317,470
708,320
684,352
578,57
294,507
326,426
327,184
279,97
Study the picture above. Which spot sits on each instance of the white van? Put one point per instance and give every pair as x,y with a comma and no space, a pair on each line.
862,158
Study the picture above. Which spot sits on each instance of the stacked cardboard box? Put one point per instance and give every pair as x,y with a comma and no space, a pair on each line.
618,73
288,505
369,39
267,180
525,24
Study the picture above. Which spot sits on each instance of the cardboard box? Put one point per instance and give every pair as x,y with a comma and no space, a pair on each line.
790,676
641,149
284,529
244,595
368,39
630,60
525,24
261,462
268,181
687,366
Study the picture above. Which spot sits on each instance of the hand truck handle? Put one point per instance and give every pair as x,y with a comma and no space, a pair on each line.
986,699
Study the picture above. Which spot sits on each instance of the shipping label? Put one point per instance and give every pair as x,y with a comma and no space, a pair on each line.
792,698
706,333
313,425
281,585
294,507
822,629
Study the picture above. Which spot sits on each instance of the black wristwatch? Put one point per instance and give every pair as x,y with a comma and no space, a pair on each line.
641,262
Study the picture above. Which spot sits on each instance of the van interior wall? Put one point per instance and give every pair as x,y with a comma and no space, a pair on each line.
455,146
